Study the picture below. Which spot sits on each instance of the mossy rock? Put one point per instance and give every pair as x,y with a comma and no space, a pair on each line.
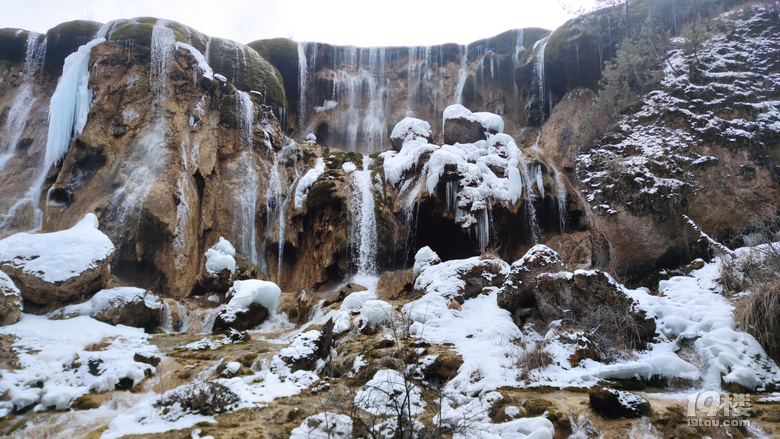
229,108
64,39
336,159
321,193
13,44
282,53
247,70
139,30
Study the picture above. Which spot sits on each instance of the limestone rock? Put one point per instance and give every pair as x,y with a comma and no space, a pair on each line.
469,277
53,269
241,320
395,285
614,404
10,301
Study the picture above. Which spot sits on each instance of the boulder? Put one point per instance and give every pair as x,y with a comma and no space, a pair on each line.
462,129
249,303
140,309
58,268
587,300
614,404
593,301
466,278
517,293
409,129
127,306
394,285
310,349
10,301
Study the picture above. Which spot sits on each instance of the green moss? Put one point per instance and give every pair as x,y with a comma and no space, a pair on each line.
282,53
247,70
335,159
321,193
13,43
229,109
64,39
136,31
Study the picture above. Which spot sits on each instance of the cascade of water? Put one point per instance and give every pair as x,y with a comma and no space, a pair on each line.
16,121
365,233
163,45
462,74
519,47
303,81
561,194
541,45
207,55
246,231
282,224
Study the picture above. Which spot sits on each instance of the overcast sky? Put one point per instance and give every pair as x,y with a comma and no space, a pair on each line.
356,22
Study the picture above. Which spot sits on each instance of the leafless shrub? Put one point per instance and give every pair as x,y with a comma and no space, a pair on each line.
205,398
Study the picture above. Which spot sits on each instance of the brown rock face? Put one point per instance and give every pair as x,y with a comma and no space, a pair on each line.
10,301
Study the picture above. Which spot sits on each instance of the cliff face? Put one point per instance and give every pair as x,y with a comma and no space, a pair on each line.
184,140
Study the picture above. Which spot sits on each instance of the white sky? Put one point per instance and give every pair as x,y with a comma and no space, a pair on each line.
356,22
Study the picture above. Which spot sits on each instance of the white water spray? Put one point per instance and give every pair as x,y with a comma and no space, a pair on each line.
364,233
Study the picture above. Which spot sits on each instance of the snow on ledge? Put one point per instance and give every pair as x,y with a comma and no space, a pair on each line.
58,256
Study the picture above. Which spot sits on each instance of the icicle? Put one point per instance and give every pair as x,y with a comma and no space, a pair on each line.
482,228
70,102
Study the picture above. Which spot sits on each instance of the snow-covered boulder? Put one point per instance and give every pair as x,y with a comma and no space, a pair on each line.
461,279
220,268
517,293
309,350
614,404
10,301
463,126
121,306
324,426
58,268
410,128
249,302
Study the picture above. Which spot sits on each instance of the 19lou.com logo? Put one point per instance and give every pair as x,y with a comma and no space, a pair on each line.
712,409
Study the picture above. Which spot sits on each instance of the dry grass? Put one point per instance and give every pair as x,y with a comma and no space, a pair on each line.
534,359
753,281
